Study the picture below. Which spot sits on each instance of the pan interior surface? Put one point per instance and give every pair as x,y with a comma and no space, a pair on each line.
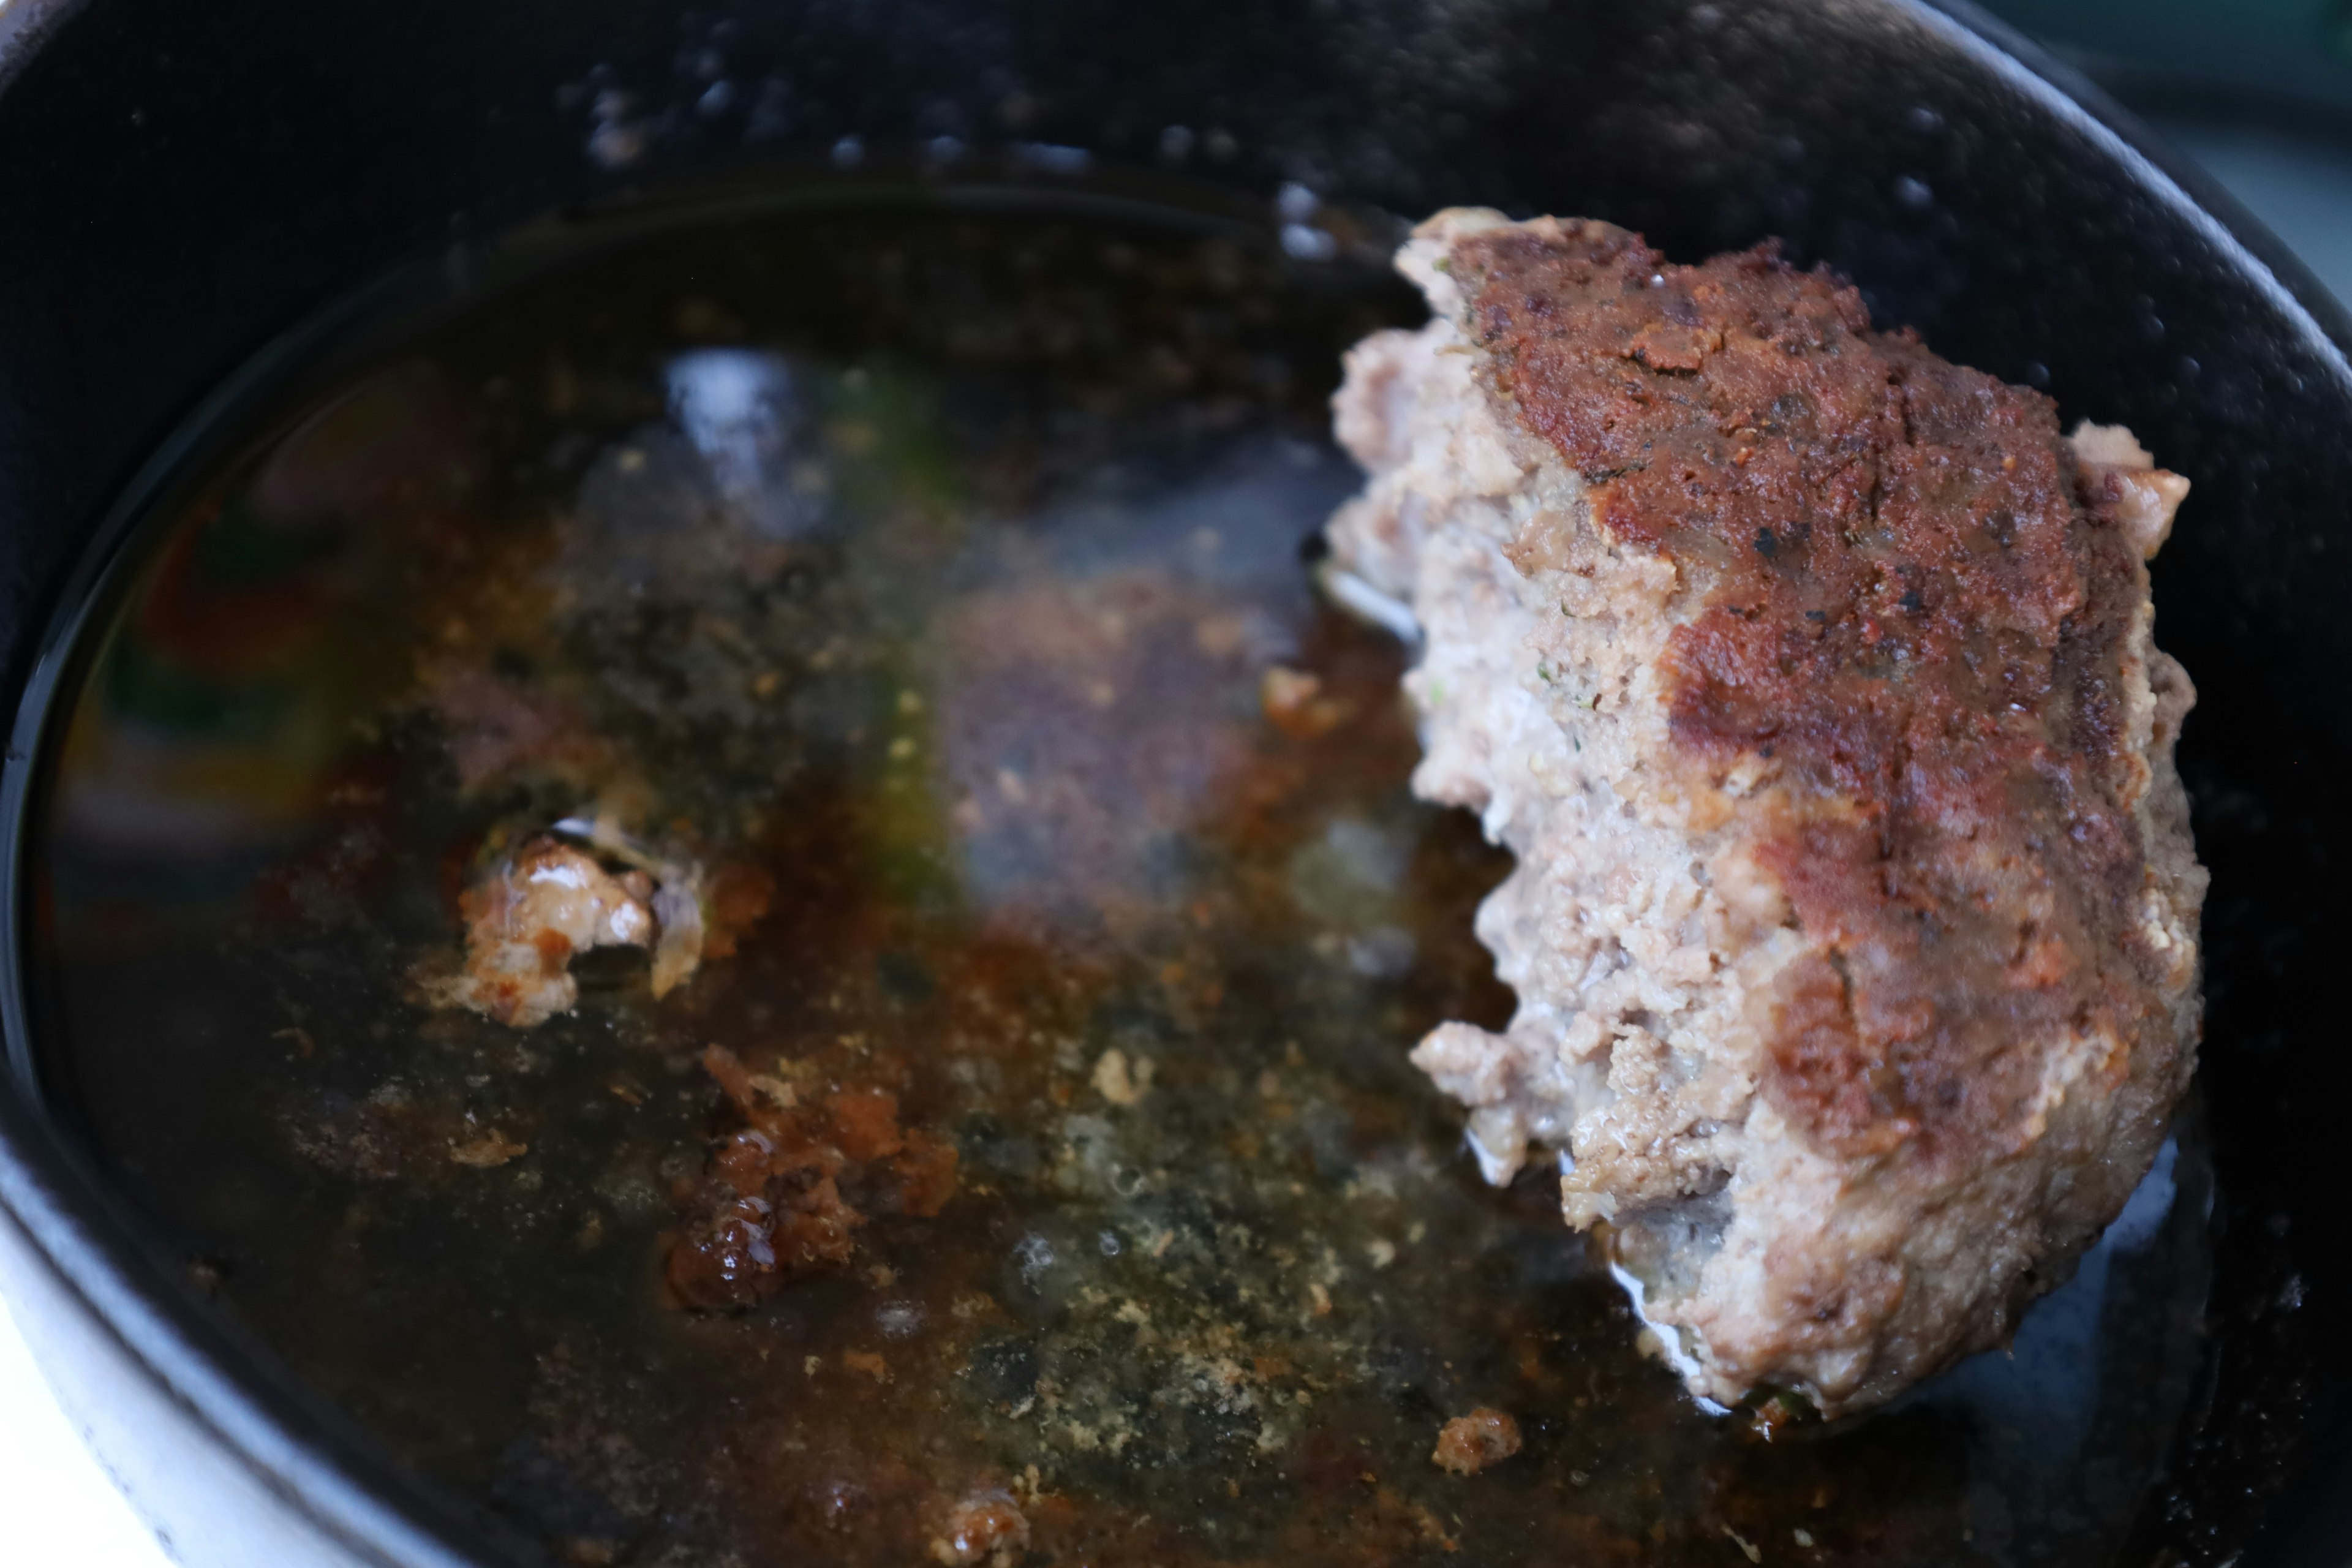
928,567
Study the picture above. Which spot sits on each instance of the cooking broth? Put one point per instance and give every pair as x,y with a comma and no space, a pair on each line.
931,571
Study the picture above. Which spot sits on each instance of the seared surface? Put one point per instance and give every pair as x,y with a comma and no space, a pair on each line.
1857,645
1908,613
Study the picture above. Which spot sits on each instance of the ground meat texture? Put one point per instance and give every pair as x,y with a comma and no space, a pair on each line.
1469,1444
1811,678
525,920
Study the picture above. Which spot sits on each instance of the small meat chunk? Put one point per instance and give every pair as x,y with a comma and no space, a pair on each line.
771,1207
523,923
1811,679
986,1527
549,900
1469,1444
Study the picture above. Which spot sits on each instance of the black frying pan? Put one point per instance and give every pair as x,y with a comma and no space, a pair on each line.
178,182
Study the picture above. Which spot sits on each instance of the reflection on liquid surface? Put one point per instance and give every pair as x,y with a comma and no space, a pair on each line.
933,587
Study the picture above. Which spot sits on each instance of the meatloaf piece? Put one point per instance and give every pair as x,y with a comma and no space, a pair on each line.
1809,677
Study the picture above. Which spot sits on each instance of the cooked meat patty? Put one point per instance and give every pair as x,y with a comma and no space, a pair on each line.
1811,678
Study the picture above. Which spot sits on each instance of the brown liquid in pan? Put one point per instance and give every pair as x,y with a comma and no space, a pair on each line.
934,578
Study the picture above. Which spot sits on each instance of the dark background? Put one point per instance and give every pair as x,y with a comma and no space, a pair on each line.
2259,92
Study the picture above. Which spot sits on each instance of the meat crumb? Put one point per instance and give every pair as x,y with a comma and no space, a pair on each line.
986,1527
487,1152
1293,699
1119,1080
1469,1444
524,922
774,1209
551,900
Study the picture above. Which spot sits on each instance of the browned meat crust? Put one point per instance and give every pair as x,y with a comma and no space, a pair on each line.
1812,680
1908,613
